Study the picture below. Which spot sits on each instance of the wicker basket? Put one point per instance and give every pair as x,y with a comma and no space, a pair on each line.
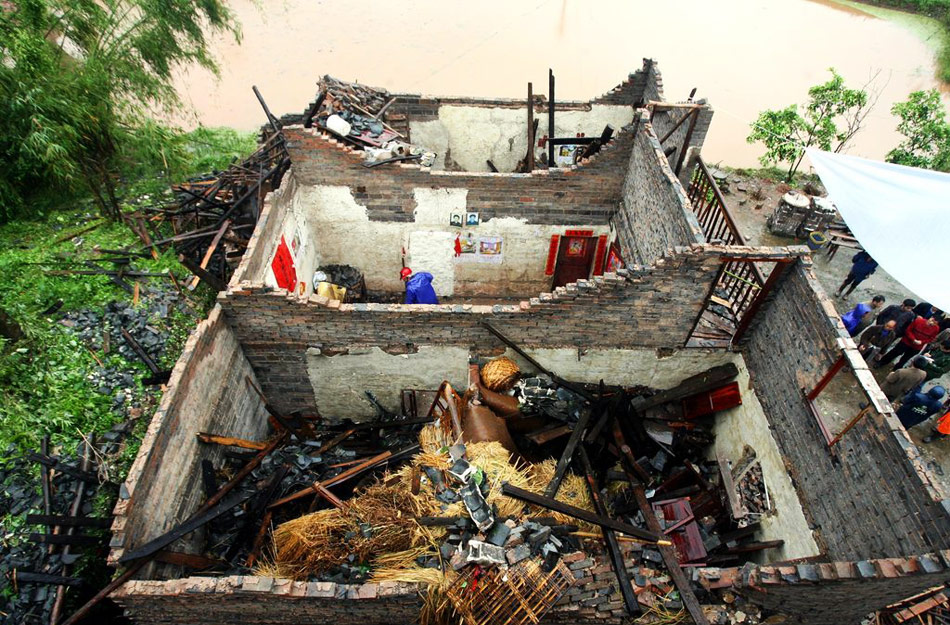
500,374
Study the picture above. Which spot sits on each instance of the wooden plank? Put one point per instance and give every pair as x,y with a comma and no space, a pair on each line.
565,460
610,540
66,539
549,434
210,252
707,380
68,521
725,469
191,560
203,517
215,439
579,513
29,577
212,280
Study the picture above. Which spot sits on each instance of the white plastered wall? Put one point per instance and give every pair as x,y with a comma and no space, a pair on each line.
295,224
340,382
747,425
473,134
341,232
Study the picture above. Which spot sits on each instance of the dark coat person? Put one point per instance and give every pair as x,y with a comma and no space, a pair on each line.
862,266
918,407
903,314
877,338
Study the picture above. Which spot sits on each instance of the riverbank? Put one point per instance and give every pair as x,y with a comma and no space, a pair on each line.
935,28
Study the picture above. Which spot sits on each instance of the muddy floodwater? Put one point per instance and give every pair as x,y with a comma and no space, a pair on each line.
742,55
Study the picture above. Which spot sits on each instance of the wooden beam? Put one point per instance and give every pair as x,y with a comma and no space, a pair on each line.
203,517
565,460
690,602
213,281
579,513
79,614
529,157
210,251
69,521
693,116
826,379
550,118
214,439
610,540
699,383
853,422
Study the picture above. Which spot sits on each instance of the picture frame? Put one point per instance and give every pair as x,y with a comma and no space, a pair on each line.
471,219
457,220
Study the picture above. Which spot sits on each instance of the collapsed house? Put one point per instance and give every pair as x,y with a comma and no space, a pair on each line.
621,268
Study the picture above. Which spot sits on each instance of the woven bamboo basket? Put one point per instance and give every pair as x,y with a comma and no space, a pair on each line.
500,374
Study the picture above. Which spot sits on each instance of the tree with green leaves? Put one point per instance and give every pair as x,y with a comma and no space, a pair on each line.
832,117
77,79
926,132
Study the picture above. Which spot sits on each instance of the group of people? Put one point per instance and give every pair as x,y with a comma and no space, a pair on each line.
909,332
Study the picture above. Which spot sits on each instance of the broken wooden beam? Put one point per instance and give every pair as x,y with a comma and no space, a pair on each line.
203,517
81,613
610,539
690,602
68,521
210,252
140,352
191,560
29,577
229,441
565,460
699,383
579,513
66,539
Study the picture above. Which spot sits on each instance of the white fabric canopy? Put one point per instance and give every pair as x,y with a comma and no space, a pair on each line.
900,215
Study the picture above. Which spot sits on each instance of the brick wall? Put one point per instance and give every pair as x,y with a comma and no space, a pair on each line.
587,193
665,120
872,499
643,307
655,214
594,598
206,392
836,593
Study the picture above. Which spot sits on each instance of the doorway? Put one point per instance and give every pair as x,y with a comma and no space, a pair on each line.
575,256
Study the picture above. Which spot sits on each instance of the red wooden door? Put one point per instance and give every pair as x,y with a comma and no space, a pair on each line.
574,259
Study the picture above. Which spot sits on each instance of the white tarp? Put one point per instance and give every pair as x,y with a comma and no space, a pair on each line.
900,215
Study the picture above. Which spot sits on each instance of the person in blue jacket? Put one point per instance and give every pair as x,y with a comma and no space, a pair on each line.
862,266
859,317
418,287
918,407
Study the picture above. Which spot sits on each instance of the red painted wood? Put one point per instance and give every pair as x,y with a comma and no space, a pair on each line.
575,257
722,398
552,255
600,255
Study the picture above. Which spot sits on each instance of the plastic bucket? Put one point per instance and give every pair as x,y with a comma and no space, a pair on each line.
816,240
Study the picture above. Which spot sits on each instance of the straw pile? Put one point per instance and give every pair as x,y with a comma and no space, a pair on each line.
379,525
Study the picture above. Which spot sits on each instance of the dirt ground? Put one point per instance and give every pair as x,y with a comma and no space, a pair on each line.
752,201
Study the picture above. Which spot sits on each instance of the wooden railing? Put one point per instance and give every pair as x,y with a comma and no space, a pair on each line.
739,282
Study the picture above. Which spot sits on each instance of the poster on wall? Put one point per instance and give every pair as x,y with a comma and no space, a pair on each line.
614,261
490,250
564,155
457,220
295,242
466,248
471,219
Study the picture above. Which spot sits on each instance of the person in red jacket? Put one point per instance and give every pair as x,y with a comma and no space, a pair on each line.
918,334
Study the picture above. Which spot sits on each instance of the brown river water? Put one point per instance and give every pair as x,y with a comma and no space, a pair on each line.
742,55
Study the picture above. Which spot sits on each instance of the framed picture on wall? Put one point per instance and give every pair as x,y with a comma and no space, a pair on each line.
457,220
614,261
471,219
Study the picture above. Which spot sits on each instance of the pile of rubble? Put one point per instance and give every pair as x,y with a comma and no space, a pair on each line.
357,114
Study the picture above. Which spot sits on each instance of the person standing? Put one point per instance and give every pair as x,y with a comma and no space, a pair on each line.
941,429
862,266
939,362
899,383
876,339
418,287
918,335
863,313
903,314
918,407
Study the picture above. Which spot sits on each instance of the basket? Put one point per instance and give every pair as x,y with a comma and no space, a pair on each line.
500,374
